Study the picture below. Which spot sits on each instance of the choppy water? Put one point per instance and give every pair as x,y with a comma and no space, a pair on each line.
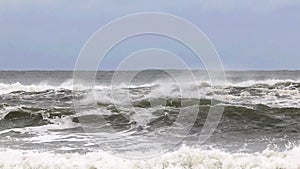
259,128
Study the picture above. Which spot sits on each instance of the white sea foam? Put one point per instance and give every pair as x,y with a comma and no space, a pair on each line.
185,158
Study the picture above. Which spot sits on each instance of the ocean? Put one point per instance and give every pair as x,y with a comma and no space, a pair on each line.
47,122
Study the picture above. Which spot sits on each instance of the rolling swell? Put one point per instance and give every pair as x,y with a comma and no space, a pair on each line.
235,117
30,117
20,119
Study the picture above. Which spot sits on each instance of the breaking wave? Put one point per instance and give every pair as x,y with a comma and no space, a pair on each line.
68,84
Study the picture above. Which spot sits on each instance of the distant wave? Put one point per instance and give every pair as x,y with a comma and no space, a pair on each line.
274,93
6,87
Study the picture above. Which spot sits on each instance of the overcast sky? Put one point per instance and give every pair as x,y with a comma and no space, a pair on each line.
248,34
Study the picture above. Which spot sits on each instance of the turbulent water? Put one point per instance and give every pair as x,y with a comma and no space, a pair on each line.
45,123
